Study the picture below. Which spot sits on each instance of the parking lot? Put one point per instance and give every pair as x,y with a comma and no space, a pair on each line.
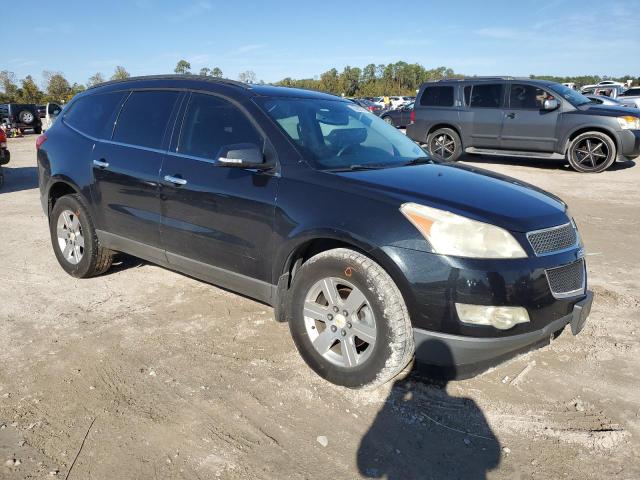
146,373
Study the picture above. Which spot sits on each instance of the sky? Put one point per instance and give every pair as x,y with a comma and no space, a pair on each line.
301,39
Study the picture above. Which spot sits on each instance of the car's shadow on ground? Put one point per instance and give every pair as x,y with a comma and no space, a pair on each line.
423,432
560,165
18,179
123,261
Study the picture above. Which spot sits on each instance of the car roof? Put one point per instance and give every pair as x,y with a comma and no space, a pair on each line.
206,83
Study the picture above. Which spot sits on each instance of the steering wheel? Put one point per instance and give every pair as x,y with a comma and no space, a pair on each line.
344,149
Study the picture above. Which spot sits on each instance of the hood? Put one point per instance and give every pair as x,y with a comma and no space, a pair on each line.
472,192
607,110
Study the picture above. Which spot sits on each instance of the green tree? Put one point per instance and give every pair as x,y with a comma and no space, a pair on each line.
95,79
120,73
247,77
57,86
30,93
204,71
183,67
216,72
8,85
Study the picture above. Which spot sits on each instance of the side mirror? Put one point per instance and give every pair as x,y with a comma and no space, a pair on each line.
551,104
241,155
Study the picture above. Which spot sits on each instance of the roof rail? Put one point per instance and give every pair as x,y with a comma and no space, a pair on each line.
176,77
495,77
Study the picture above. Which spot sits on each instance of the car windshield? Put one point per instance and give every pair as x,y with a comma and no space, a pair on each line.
574,97
338,135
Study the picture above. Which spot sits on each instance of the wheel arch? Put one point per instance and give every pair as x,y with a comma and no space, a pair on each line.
59,187
445,125
584,129
312,245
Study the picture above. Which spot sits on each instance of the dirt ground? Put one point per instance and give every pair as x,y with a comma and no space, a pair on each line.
146,373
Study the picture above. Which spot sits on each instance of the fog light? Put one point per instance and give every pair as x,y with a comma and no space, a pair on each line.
502,318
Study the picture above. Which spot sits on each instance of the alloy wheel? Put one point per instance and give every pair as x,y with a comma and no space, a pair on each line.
70,237
591,153
443,146
340,322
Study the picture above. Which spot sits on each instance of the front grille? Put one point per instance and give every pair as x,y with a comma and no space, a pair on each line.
568,280
552,240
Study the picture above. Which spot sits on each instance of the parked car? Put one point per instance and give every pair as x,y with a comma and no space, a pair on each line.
50,113
522,118
399,117
630,97
604,100
365,246
369,105
21,116
613,91
5,155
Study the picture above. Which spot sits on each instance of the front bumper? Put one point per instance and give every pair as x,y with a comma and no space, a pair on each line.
464,356
629,143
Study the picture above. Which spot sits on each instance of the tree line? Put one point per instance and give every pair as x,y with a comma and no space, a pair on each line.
399,78
56,88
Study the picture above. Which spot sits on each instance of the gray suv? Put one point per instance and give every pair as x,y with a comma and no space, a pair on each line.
522,118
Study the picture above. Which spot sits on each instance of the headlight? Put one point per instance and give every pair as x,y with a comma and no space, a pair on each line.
629,122
451,234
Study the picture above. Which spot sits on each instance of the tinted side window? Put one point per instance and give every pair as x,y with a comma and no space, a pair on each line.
94,114
527,97
437,97
211,123
486,95
144,118
467,95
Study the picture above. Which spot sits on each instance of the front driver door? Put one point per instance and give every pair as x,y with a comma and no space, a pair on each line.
527,126
217,221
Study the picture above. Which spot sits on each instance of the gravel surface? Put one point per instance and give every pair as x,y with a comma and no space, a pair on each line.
146,373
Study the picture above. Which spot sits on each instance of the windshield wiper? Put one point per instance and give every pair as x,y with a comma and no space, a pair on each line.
359,166
419,161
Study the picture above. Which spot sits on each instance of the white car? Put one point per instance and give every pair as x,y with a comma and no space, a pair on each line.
630,97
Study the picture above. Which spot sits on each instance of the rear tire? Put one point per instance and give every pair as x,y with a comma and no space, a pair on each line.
444,144
359,333
388,119
591,152
74,239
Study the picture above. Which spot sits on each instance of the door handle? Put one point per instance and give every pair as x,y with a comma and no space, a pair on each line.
510,115
101,163
175,180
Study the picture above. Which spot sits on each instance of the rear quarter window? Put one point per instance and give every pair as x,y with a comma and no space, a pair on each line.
94,115
440,96
144,118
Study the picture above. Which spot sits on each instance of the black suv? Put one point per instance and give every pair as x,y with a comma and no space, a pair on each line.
21,116
311,204
522,118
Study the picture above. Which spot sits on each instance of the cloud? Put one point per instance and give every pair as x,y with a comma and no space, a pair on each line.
406,42
190,11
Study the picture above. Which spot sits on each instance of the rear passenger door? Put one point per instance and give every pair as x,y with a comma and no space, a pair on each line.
527,126
126,170
217,221
485,102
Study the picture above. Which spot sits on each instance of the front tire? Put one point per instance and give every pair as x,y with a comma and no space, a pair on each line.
444,144
74,239
591,152
387,119
348,320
